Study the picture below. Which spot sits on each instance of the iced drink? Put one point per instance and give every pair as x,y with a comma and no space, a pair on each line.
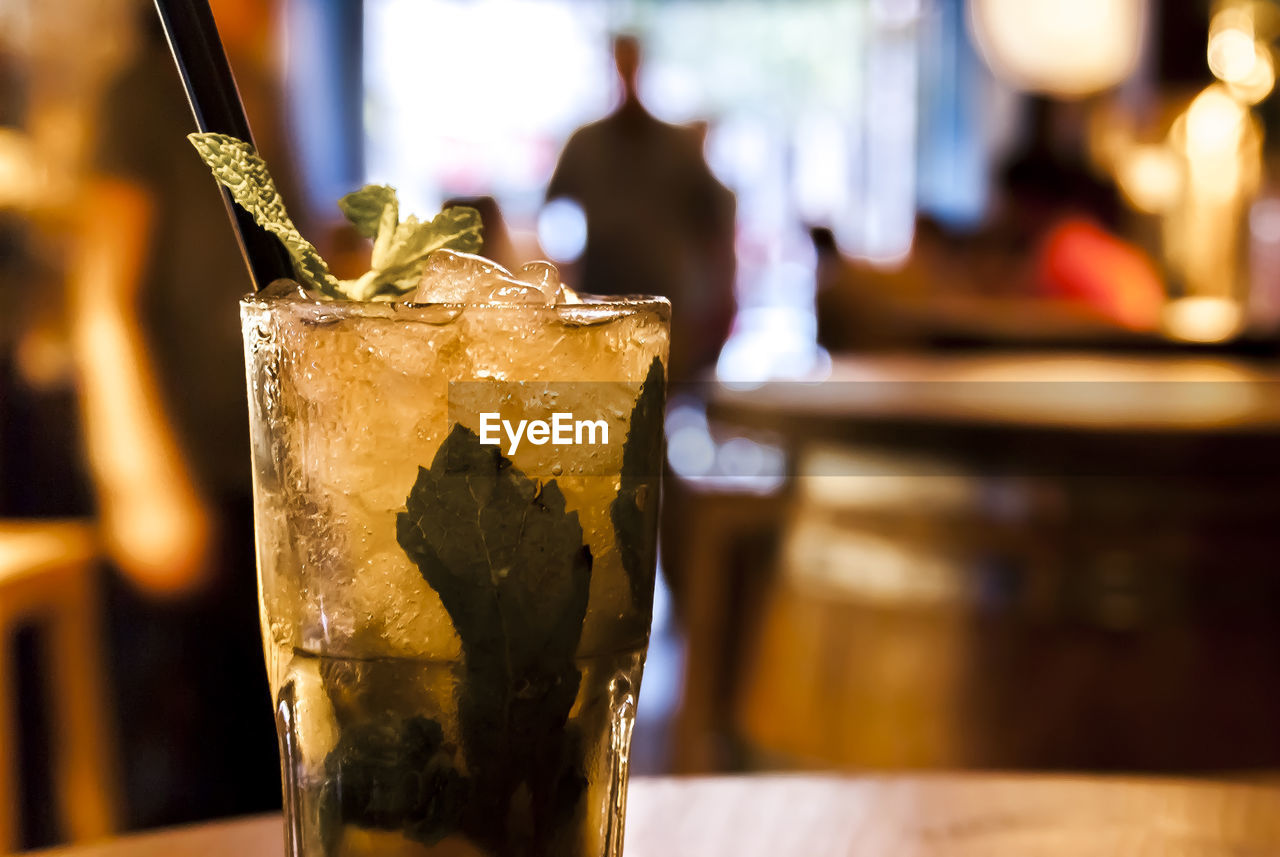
455,506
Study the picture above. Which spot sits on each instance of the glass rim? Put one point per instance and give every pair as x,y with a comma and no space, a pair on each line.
382,308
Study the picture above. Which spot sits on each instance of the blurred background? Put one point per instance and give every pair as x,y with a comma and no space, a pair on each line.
974,434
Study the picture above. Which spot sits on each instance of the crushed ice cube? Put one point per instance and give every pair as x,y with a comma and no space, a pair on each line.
544,276
566,295
509,291
286,288
452,277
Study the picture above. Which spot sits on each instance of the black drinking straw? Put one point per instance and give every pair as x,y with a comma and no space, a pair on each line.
215,101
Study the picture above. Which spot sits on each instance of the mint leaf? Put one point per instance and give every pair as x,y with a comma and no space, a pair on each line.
503,553
389,773
368,207
237,166
400,250
456,228
635,510
510,566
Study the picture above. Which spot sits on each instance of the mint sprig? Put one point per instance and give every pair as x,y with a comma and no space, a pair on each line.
237,166
400,249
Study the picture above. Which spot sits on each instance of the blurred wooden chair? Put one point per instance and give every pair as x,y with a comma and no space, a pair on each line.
48,578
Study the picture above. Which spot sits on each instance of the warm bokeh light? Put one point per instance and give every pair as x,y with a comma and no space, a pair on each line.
1260,80
1150,176
1238,53
22,176
1221,143
1215,124
1221,147
1232,54
1203,176
1068,48
1202,319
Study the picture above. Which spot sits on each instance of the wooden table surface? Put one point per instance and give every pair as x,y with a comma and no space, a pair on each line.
956,815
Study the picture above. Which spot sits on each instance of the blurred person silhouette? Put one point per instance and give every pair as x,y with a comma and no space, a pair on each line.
161,379
658,221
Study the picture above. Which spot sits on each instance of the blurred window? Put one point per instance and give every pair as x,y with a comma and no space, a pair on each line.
812,109
471,98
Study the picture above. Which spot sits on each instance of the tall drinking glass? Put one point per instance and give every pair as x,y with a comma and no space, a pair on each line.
456,512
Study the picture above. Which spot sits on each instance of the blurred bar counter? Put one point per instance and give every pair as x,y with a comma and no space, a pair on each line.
1061,561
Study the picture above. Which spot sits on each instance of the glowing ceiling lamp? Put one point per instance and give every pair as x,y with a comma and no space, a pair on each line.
1067,48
